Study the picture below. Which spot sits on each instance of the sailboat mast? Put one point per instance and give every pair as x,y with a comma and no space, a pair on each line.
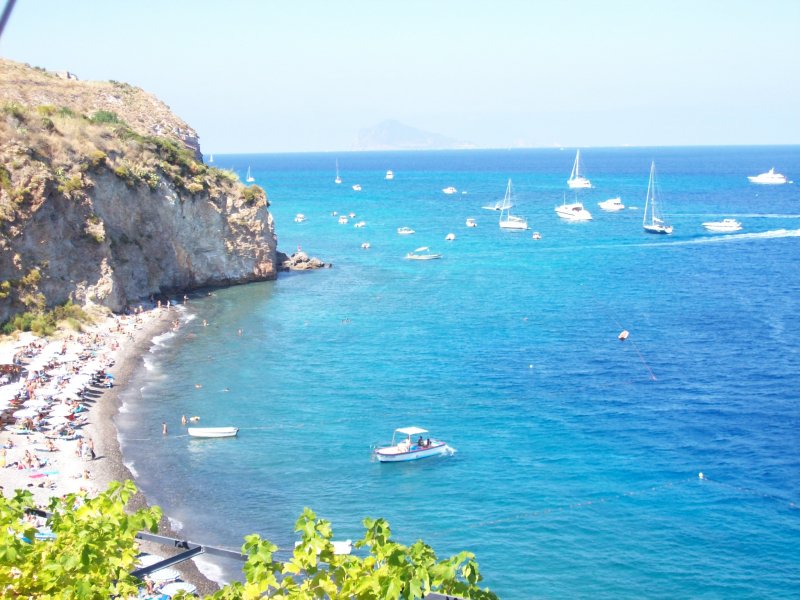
648,203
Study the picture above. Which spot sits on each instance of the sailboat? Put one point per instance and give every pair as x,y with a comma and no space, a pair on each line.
210,158
653,221
507,220
576,180
338,179
249,178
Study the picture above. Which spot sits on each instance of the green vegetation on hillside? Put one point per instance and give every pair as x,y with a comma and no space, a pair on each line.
94,550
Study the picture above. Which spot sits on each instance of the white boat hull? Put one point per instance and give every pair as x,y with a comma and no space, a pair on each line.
514,225
611,205
579,183
213,432
401,452
724,226
660,229
573,212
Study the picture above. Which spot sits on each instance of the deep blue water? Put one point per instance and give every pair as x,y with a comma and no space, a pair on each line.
576,471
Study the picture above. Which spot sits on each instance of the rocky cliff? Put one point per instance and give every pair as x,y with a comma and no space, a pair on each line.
103,199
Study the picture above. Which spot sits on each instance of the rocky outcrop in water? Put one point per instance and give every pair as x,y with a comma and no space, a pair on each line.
103,199
300,261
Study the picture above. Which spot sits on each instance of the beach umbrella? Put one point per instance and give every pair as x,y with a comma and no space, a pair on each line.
68,394
47,392
61,410
173,588
26,413
36,403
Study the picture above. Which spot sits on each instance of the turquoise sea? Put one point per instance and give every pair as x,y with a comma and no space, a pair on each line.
578,456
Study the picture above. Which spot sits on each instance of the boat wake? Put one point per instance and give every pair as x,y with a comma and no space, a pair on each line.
449,450
710,239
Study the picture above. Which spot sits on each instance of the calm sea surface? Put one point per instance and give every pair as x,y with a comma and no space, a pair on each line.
576,471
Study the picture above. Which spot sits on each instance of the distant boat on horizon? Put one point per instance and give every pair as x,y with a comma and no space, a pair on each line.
768,178
389,175
338,179
249,178
210,158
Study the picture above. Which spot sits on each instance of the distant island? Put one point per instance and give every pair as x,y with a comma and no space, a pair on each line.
394,135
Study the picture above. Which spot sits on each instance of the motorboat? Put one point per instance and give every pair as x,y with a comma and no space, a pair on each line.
574,211
422,253
724,226
507,220
299,218
536,235
612,204
576,180
389,175
360,224
357,187
450,190
405,448
653,221
343,220
212,432
450,237
405,230
770,178
471,223
365,245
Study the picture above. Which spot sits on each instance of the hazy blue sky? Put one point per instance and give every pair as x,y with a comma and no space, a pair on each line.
303,75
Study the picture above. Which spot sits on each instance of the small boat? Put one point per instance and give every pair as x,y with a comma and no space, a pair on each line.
405,448
338,179
360,224
450,237
299,218
612,204
249,178
576,180
210,158
573,211
357,187
212,432
471,223
536,235
653,221
389,175
724,226
422,253
405,230
769,178
450,190
623,335
365,245
343,220
507,220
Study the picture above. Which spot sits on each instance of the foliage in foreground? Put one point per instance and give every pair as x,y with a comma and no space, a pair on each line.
94,551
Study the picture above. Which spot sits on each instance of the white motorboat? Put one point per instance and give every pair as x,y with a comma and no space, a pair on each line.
357,188
299,218
365,246
769,178
724,226
450,237
576,180
536,235
249,178
405,448
471,222
212,432
653,221
507,220
389,175
338,179
450,190
343,220
405,230
360,224
573,211
422,253
612,204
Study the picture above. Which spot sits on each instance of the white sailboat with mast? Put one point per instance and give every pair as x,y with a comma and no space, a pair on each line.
338,179
507,220
249,178
576,180
653,221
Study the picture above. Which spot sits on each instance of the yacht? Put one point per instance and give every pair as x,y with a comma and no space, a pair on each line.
507,220
576,180
471,222
770,177
724,226
450,190
357,187
573,211
612,204
389,175
343,220
405,230
299,218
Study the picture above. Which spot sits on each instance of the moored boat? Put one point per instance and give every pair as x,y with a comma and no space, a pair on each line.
389,175
573,211
724,226
507,220
576,180
423,253
404,448
405,230
769,178
450,190
213,432
653,221
612,204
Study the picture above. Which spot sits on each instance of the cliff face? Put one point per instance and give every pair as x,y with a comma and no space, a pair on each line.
109,206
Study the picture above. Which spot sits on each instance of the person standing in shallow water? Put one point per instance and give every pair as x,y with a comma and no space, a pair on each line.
163,427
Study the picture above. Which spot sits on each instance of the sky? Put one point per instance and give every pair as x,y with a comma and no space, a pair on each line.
306,75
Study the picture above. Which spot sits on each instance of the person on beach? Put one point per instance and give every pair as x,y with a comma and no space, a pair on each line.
90,445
